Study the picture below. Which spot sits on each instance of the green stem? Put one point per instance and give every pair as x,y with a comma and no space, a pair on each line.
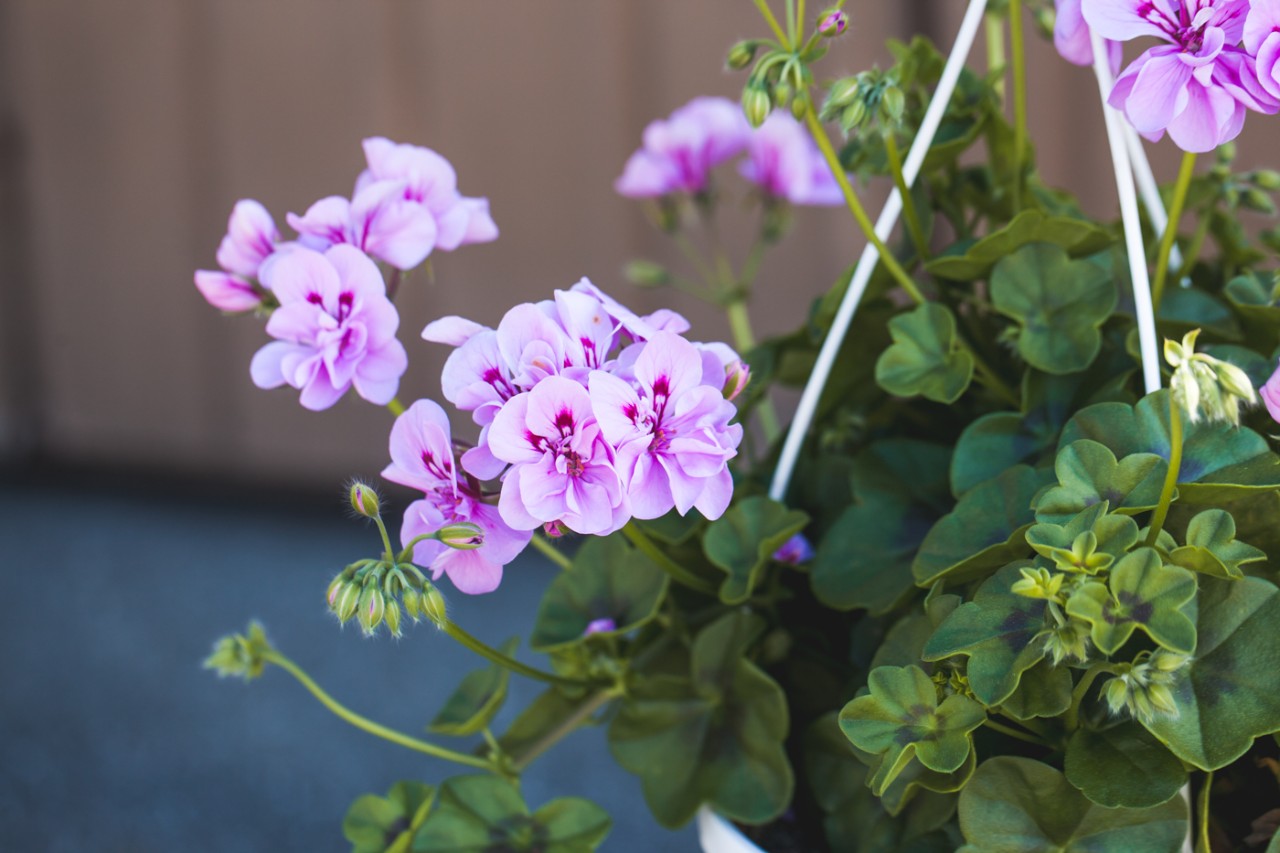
1013,733
800,25
678,573
1185,175
489,652
772,21
744,341
1019,99
565,727
390,555
692,255
1192,254
1171,476
1072,718
368,725
551,552
791,21
995,48
988,377
396,407
1202,846
908,201
819,134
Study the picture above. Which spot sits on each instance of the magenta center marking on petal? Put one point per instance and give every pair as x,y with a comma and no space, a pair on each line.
565,422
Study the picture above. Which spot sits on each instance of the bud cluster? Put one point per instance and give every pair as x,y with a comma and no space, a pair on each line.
240,654
1204,385
873,95
378,591
1144,688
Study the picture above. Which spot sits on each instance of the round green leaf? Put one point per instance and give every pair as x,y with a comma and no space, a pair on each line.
1059,303
997,632
715,736
926,358
1212,548
609,580
1089,473
1123,766
1018,805
386,825
744,539
1079,237
1141,592
983,532
1043,691
901,719
1218,460
1229,695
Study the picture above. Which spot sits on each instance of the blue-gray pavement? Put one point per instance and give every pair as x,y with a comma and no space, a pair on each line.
112,737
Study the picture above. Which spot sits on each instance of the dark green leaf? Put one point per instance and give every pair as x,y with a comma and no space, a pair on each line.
997,632
1212,548
1123,766
714,737
472,706
1078,237
1088,473
1043,691
926,358
744,539
609,580
1059,303
1141,592
1018,805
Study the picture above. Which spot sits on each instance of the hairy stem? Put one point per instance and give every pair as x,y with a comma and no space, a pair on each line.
376,729
772,21
1072,718
1019,99
490,653
1202,845
551,552
1013,733
677,572
396,407
566,727
909,211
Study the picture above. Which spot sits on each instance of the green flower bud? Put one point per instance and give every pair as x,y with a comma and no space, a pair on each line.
799,106
461,536
741,54
364,499
842,93
348,601
756,104
433,606
372,607
736,377
833,22
1267,179
240,654
392,618
1067,642
1204,385
853,116
893,103
1257,201
647,274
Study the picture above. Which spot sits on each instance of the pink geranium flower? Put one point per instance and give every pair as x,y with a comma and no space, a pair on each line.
671,431
1198,85
422,458
783,161
1270,393
251,238
1072,38
335,328
1262,40
562,469
679,152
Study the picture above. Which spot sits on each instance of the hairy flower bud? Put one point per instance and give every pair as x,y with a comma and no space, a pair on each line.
461,535
1144,688
433,606
1204,385
832,23
741,54
364,499
554,529
893,103
240,654
371,609
853,116
392,618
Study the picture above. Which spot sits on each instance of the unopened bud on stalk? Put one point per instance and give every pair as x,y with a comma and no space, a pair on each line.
364,500
1267,179
461,536
853,116
347,602
433,606
893,103
1204,385
392,618
832,23
647,274
372,608
736,377
554,530
756,103
741,54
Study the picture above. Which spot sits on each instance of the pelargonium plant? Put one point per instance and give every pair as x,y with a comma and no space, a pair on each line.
1005,579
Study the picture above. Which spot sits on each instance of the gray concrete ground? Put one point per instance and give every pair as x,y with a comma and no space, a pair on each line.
112,738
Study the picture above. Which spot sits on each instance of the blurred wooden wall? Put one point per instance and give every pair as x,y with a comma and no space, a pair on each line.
128,129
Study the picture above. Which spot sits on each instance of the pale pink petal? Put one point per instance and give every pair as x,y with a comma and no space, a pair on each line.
265,369
377,376
470,571
390,227
454,331
326,222
251,237
302,275
226,292
717,491
508,434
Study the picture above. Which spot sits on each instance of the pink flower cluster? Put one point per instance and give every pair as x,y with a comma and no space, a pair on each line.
590,415
334,325
1220,59
680,152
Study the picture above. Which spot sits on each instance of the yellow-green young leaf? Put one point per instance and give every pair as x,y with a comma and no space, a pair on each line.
1089,473
1141,592
1212,548
926,358
901,719
1115,535
478,698
997,632
1017,805
1060,305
